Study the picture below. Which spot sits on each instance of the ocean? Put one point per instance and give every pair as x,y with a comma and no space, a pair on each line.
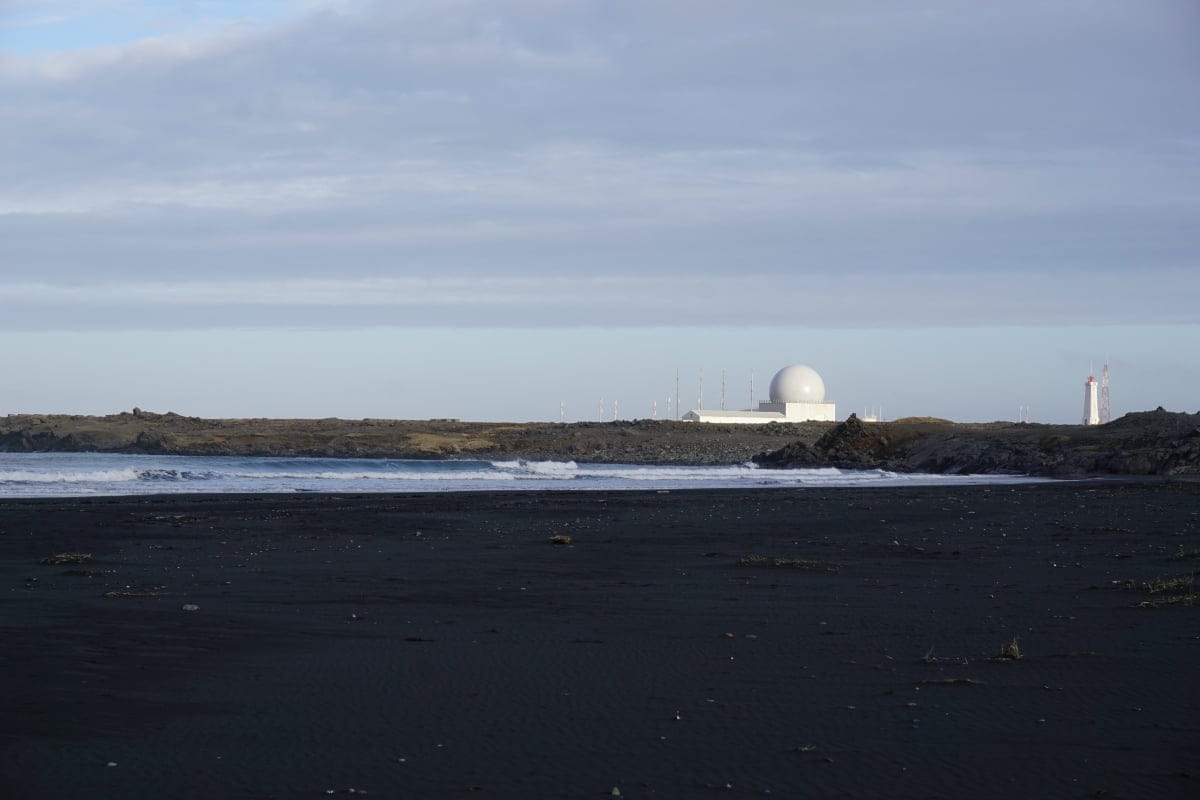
98,474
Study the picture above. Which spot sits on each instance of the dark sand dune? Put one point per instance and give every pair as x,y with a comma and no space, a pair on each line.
440,646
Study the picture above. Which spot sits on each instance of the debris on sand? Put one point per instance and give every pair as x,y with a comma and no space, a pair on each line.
953,682
67,558
1011,651
116,595
560,538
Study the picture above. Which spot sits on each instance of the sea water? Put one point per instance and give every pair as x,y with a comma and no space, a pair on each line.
84,474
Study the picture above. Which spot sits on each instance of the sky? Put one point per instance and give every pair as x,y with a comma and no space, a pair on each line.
494,210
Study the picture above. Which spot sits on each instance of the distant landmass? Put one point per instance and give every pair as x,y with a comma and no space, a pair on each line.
1145,443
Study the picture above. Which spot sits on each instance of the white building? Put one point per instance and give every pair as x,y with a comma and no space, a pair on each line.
797,395
1091,402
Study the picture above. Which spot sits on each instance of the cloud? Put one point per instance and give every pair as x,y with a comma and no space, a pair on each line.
935,152
818,301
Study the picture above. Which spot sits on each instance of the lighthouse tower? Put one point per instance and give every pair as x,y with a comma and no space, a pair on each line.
1091,402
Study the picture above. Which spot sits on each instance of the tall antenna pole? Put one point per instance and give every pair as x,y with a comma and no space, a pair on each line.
700,399
616,405
751,390
677,393
562,411
1105,401
654,409
722,389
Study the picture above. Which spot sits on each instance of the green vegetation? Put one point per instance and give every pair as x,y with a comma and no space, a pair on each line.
1162,584
67,558
1168,591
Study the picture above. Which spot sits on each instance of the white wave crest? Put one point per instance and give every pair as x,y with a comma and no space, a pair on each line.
553,470
473,475
98,476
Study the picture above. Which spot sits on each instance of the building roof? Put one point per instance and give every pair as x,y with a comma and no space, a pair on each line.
764,415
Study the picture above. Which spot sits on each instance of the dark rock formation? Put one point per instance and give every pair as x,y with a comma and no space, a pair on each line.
1147,443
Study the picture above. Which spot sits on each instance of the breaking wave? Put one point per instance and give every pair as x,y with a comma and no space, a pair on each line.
67,474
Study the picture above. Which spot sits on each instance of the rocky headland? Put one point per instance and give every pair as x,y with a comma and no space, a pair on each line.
1144,443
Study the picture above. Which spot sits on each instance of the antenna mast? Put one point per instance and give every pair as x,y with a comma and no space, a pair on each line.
722,389
751,390
1105,401
677,393
700,399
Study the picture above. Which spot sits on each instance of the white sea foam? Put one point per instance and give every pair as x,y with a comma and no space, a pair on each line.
97,476
374,476
74,474
547,469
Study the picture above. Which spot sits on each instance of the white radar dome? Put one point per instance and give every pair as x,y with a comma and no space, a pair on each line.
798,383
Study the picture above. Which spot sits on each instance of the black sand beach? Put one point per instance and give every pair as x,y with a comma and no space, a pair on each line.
801,643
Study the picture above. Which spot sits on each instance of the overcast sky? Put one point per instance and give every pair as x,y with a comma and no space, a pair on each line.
483,209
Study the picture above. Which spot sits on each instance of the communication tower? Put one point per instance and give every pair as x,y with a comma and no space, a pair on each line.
1105,401
677,393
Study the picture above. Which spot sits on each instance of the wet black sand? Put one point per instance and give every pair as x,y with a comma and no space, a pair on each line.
440,646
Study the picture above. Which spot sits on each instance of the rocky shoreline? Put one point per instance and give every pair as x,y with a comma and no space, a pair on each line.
1143,443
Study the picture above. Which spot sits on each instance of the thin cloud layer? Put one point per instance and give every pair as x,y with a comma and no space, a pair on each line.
640,163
